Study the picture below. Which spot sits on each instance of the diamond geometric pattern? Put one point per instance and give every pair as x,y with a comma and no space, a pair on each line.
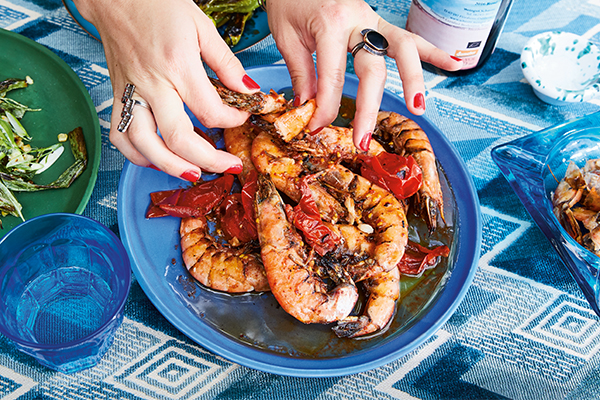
523,331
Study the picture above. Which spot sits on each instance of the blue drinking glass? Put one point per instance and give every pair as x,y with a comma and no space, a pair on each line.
64,280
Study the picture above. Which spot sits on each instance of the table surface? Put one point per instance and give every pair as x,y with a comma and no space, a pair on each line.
524,329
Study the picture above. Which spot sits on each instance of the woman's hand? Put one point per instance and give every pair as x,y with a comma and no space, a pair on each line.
332,29
159,46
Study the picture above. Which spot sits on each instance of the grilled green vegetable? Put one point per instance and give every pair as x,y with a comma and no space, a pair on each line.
234,29
20,162
231,15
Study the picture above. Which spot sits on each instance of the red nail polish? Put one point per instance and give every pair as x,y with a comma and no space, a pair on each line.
456,58
296,101
236,169
419,101
365,142
315,131
190,175
249,83
154,167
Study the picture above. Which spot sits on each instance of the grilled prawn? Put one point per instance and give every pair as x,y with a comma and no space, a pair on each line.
383,291
291,269
286,168
382,287
238,141
374,206
255,103
217,266
407,138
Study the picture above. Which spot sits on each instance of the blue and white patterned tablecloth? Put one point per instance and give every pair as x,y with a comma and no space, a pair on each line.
524,330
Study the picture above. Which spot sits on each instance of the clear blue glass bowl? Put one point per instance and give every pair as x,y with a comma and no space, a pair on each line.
64,280
530,164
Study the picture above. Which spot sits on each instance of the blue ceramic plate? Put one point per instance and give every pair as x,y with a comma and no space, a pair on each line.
252,330
530,165
257,27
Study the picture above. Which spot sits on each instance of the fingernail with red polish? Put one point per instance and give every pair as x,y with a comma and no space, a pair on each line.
365,142
249,83
154,167
296,101
419,101
190,175
315,131
456,58
236,169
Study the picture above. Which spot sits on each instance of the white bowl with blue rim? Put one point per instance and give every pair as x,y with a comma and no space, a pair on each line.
562,67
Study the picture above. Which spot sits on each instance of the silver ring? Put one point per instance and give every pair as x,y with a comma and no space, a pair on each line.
373,42
141,102
129,102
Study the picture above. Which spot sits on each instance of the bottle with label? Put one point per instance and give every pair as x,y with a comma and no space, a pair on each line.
467,29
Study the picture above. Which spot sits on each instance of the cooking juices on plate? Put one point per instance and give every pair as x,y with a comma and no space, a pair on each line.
337,235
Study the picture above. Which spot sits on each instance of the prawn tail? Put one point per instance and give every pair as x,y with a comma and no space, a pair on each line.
352,326
430,210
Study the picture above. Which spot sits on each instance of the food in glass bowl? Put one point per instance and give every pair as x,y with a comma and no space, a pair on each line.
576,204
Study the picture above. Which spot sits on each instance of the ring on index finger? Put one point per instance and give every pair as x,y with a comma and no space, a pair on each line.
130,100
373,42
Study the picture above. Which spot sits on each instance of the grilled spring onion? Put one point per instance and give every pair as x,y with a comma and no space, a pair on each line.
229,14
20,163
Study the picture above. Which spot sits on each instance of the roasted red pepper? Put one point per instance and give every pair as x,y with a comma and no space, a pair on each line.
307,219
237,212
194,201
162,197
233,220
399,175
207,195
417,258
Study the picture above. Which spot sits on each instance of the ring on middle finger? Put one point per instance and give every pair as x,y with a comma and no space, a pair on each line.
373,42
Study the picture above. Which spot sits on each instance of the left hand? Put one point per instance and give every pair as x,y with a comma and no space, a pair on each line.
332,28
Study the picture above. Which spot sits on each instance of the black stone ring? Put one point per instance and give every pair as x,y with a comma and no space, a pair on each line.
373,42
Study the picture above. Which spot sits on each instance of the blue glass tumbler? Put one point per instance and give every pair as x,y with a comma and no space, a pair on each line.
64,280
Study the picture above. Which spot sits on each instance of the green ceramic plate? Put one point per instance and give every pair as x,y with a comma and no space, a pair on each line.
65,104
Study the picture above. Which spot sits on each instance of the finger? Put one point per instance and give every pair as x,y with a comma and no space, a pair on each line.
301,67
432,55
403,49
218,56
121,139
142,135
372,73
331,69
205,103
181,141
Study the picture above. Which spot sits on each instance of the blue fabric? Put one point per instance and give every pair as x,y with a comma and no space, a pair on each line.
524,330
